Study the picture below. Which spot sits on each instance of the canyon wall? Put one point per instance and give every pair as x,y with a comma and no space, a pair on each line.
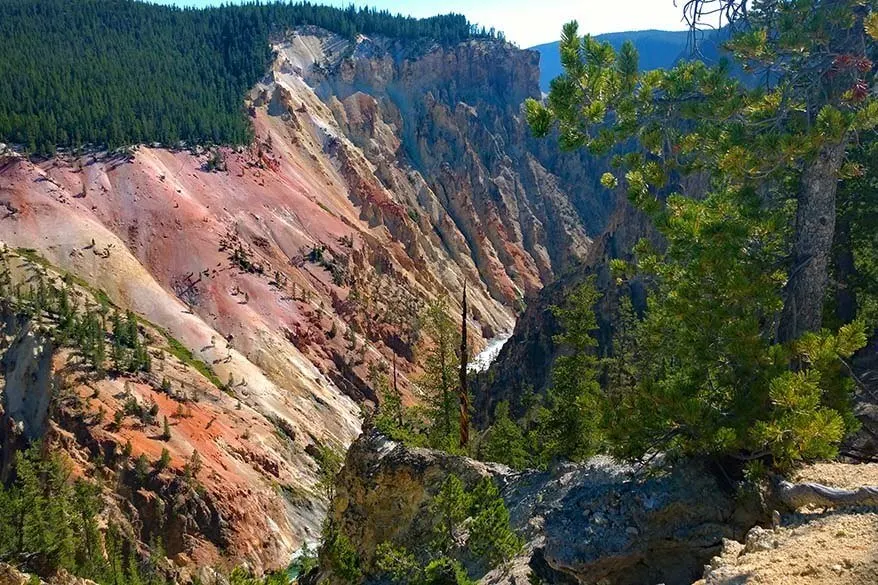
382,176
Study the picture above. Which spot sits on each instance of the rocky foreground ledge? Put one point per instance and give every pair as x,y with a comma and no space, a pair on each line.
597,522
612,524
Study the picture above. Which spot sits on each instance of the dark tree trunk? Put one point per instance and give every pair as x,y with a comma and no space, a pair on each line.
815,229
396,393
845,272
464,394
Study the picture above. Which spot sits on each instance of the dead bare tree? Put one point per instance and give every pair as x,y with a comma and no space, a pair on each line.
464,394
800,495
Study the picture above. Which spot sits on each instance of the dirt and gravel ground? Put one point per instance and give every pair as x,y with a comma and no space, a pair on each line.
811,547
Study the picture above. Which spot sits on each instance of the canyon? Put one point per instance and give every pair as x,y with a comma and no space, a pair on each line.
256,305
383,175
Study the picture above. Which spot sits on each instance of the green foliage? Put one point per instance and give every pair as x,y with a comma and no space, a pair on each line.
856,269
182,353
193,467
243,576
700,375
435,422
439,383
329,463
141,468
505,440
398,564
117,72
52,522
455,512
491,537
449,508
83,326
570,425
129,353
305,562
343,557
164,460
216,162
54,305
703,373
402,567
445,571
391,417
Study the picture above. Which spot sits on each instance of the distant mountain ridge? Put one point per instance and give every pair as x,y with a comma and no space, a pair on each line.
658,49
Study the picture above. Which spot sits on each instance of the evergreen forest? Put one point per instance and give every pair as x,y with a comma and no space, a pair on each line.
108,73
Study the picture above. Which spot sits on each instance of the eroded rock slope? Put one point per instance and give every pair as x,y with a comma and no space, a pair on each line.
382,175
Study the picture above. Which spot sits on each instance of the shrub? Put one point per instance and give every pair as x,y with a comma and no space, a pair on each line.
344,558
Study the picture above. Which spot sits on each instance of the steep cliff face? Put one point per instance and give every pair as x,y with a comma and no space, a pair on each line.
444,128
383,175
524,364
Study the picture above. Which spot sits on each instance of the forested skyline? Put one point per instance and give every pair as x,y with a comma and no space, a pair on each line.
520,22
138,73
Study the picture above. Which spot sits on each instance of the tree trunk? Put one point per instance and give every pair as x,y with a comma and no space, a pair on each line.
845,273
396,393
464,394
799,495
815,228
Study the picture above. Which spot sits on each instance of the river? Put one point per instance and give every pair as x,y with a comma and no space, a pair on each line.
486,357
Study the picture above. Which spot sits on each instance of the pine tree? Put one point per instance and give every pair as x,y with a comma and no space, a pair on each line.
491,536
193,466
118,355
389,418
166,430
439,382
505,441
720,344
141,468
463,393
45,516
135,76
449,507
164,460
571,425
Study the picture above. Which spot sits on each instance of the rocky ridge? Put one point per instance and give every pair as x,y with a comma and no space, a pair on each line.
598,522
603,522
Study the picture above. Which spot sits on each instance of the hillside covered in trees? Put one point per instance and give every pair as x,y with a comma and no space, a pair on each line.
115,72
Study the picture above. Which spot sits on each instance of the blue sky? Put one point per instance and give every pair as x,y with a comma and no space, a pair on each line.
531,22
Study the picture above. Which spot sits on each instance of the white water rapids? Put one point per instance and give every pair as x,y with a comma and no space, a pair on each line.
486,357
